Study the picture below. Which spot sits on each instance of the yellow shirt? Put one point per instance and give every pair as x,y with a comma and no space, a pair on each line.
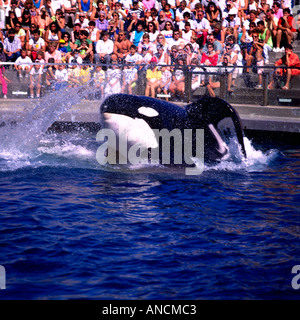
154,74
85,75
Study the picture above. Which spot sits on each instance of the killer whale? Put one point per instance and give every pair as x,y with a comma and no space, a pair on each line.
139,116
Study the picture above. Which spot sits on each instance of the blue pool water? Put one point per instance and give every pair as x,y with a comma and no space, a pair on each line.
71,230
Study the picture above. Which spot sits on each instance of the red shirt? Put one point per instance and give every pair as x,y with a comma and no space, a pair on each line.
290,22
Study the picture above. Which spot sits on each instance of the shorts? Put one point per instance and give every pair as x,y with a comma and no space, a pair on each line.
260,63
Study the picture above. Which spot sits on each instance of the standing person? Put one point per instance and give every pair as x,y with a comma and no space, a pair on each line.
290,59
177,85
94,34
12,46
35,80
164,84
61,77
130,78
3,79
153,77
114,76
99,79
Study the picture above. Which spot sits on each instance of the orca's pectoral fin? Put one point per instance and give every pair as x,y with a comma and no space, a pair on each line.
215,111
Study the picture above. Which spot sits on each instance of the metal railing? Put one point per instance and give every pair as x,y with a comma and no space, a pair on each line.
221,73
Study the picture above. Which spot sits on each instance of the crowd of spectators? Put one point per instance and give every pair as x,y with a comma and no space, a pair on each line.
121,37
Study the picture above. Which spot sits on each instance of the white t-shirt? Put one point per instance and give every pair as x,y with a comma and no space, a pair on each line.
37,45
202,24
21,61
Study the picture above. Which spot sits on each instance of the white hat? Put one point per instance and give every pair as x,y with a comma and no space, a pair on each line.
233,11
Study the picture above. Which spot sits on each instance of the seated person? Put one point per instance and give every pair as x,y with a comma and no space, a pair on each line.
23,65
290,59
12,46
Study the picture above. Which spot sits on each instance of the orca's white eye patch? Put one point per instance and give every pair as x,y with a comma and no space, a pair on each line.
148,112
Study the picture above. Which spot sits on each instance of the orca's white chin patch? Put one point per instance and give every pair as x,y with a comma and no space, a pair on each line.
130,131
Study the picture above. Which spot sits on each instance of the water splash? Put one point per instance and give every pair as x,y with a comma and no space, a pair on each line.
26,144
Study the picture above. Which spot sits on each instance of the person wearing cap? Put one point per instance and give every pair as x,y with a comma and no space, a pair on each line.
104,48
233,21
153,77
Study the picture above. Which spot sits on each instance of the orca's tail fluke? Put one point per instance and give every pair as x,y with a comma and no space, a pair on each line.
208,112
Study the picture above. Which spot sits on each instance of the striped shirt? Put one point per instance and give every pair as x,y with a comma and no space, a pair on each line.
12,46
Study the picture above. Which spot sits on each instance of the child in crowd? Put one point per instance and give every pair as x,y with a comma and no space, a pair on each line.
85,74
153,77
164,84
63,50
35,76
196,78
61,77
130,77
50,74
114,75
74,73
256,57
23,65
99,79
